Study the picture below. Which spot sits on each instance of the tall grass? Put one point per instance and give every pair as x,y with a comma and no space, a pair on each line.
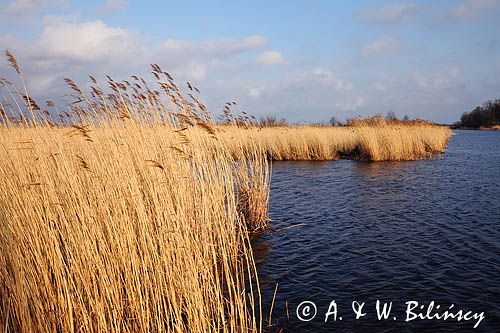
125,214
374,141
132,210
121,233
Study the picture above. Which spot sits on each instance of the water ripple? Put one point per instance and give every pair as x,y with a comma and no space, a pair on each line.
395,231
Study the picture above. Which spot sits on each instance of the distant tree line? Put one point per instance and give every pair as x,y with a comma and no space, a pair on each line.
487,115
270,121
390,116
242,119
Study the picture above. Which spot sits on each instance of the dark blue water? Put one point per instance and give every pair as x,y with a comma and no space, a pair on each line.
390,231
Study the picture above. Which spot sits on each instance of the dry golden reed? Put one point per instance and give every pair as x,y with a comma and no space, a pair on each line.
123,233
382,141
132,212
126,215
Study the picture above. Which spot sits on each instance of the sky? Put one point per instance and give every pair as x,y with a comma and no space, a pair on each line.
300,60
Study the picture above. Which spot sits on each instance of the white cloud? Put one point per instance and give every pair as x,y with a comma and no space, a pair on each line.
473,9
352,105
323,74
384,46
437,80
379,86
328,78
8,40
255,92
112,6
89,41
102,48
23,6
254,41
220,46
66,47
193,71
390,14
270,58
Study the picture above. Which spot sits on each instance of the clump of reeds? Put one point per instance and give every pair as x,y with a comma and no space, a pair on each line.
252,189
125,213
373,139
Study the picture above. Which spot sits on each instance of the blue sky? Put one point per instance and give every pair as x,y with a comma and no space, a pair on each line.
302,60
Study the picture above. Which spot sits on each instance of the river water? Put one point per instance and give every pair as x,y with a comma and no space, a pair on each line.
391,231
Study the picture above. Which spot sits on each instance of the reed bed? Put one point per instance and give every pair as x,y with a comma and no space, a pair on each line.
119,232
125,214
373,141
131,209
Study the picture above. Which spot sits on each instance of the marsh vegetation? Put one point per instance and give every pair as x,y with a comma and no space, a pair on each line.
132,209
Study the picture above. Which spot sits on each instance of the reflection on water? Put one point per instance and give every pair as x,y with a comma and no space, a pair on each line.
393,231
